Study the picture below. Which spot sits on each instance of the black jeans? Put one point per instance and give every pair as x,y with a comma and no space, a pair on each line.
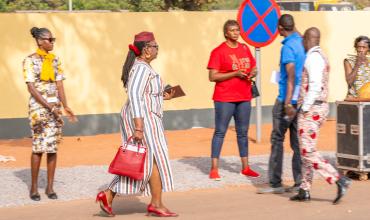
280,126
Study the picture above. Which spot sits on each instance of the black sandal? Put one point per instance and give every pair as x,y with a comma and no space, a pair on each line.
52,195
35,196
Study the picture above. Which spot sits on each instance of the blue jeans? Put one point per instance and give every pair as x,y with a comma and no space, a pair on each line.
224,111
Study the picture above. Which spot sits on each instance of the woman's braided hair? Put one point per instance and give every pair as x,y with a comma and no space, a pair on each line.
38,32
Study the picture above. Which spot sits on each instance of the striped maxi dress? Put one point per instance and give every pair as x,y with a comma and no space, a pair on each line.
145,100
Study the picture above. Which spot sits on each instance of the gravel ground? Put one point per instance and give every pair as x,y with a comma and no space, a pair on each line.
83,182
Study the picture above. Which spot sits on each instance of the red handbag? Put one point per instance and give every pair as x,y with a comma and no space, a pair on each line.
129,160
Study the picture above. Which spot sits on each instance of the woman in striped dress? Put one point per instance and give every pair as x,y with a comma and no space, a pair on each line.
141,118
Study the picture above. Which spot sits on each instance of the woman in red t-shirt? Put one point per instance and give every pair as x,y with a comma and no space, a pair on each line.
231,66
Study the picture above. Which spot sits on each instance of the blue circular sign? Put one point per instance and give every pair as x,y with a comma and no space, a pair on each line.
258,21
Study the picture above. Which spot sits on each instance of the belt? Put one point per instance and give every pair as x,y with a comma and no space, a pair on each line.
318,102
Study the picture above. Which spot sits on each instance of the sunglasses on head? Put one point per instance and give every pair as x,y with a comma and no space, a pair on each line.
50,39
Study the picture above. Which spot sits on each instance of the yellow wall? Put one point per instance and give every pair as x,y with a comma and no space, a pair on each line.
93,46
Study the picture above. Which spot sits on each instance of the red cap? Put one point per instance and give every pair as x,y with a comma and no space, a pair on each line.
144,36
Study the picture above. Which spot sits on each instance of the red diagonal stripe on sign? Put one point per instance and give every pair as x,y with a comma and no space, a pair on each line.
251,28
259,19
263,22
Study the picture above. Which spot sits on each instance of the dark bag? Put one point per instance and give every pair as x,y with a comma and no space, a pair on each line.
255,92
129,160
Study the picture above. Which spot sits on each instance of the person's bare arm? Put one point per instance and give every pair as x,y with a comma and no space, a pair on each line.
169,95
253,73
291,81
61,93
352,72
38,97
289,109
216,76
139,129
63,99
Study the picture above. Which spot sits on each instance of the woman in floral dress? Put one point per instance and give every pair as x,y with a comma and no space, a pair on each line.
357,68
43,75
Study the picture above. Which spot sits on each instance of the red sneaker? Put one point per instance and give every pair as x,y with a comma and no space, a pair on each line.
249,172
214,175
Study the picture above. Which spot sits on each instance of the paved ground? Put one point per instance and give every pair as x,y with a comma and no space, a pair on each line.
82,172
229,203
95,178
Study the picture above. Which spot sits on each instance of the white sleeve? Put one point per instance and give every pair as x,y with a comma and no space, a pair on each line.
315,66
137,83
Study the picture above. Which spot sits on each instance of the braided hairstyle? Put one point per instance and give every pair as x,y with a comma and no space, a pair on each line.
38,32
129,62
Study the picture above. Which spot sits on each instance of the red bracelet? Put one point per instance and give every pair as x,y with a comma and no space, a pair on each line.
138,130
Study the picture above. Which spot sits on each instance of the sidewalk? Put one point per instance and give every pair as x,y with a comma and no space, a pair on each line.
84,182
81,172
230,203
100,149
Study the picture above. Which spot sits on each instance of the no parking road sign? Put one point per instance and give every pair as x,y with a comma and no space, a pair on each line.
258,21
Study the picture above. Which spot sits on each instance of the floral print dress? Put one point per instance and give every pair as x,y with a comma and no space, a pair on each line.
46,128
362,77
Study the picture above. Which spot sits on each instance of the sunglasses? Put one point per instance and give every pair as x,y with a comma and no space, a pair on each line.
155,46
50,39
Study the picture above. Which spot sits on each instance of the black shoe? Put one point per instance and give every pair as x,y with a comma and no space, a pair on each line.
52,195
35,196
343,184
302,196
293,189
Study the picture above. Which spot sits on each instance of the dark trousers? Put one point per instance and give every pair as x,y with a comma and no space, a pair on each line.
224,111
280,126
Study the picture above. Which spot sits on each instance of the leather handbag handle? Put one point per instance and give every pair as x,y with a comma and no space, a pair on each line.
139,145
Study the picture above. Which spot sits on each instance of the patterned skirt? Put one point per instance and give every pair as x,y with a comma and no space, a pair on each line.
46,130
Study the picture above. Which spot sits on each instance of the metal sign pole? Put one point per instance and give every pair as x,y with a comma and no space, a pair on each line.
70,5
258,99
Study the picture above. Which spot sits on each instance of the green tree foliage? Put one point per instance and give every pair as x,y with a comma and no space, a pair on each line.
361,3
13,5
227,4
3,7
147,5
190,5
100,5
132,5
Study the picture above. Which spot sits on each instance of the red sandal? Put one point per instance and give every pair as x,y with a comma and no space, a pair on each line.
156,212
102,199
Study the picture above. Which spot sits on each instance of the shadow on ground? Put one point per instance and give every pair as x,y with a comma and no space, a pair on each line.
232,165
25,176
125,205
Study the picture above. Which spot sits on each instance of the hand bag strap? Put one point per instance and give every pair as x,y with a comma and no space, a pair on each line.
139,145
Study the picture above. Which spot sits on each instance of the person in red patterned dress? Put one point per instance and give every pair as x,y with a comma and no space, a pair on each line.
314,109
